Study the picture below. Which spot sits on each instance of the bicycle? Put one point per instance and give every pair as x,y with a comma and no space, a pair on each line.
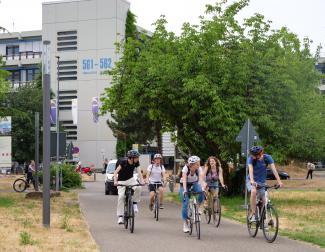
21,184
214,207
193,213
266,217
156,201
171,182
128,207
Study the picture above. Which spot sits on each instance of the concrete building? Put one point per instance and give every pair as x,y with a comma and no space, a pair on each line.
83,34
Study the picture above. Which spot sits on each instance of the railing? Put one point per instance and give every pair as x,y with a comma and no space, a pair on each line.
23,55
18,84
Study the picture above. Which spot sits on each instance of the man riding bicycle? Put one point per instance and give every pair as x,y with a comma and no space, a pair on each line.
123,175
192,177
155,179
257,164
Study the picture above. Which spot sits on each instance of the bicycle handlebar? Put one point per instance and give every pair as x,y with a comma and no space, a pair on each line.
276,186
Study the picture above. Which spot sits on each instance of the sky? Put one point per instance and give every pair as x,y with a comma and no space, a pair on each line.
303,17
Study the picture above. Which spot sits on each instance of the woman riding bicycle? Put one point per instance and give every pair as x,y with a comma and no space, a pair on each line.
213,174
156,178
192,177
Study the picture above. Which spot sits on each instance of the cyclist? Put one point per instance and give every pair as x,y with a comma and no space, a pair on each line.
213,174
156,174
257,164
192,177
123,175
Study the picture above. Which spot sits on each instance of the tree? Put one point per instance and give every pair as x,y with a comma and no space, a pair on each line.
204,83
21,105
4,84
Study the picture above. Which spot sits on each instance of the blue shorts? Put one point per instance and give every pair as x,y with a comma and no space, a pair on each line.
260,192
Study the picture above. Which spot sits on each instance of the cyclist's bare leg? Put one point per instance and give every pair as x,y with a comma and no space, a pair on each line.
253,200
161,194
152,195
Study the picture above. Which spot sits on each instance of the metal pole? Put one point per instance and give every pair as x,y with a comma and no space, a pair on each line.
247,148
57,130
36,148
46,133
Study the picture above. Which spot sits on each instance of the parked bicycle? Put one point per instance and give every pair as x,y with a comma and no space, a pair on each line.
128,207
171,182
156,201
193,213
266,217
213,208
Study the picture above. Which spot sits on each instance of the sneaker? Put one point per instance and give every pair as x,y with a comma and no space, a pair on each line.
135,207
186,229
252,218
151,206
120,220
161,206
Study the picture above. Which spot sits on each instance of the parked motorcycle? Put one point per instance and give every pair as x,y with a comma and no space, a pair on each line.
87,170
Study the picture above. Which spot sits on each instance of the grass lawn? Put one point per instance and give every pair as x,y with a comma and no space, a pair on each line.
301,213
21,223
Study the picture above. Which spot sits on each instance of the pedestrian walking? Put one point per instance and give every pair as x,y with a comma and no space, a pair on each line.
310,169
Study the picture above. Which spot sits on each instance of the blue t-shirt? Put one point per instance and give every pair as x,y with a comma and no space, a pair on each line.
259,167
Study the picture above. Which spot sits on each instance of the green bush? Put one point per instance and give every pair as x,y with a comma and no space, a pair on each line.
70,178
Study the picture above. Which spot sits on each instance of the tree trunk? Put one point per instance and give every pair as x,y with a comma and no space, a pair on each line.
158,136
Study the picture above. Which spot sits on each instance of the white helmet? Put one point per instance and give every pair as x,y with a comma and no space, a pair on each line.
157,156
193,159
79,163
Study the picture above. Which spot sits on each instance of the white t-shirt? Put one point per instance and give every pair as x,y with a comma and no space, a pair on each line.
191,178
155,173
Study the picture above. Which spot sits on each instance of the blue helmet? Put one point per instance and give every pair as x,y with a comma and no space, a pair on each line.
255,150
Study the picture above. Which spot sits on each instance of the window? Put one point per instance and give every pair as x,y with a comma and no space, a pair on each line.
68,70
15,76
31,74
12,50
67,40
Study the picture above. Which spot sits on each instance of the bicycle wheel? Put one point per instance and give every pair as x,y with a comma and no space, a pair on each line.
20,185
156,206
190,217
126,214
216,212
207,211
270,224
197,222
131,216
251,226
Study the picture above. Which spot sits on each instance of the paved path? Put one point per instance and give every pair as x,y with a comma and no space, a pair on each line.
166,235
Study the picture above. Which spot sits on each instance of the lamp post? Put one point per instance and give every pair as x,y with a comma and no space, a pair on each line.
46,133
57,128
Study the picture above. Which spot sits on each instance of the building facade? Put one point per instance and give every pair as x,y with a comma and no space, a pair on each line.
321,67
83,34
21,53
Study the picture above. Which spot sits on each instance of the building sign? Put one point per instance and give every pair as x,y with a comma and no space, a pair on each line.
5,142
91,66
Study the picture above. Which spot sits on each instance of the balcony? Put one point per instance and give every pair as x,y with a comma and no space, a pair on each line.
22,58
18,84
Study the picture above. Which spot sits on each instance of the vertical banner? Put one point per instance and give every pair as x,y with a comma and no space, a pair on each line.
53,111
5,142
95,108
74,110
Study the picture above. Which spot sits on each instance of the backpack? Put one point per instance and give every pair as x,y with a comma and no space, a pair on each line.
160,170
265,161
180,175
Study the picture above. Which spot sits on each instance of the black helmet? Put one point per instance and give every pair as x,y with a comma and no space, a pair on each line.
255,150
133,154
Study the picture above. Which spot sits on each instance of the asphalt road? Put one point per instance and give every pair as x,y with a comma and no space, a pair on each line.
166,234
